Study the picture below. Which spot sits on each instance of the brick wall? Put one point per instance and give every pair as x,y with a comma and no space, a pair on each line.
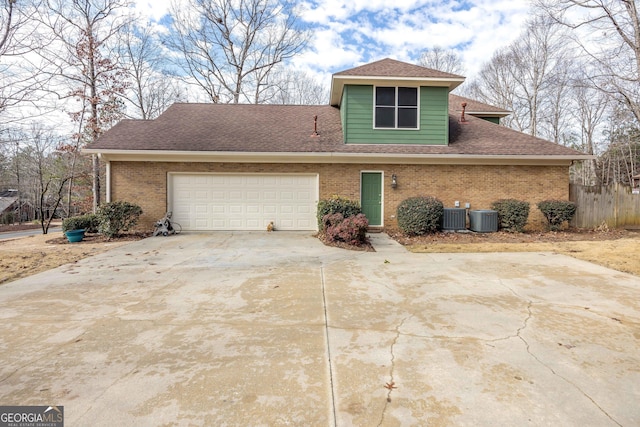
145,183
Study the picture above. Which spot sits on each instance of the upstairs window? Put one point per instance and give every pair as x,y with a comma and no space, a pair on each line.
396,108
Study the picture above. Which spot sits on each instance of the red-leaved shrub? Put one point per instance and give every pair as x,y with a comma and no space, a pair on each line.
351,230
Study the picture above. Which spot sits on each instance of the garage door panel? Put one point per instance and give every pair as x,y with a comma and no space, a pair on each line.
244,201
236,209
235,195
288,223
216,224
253,196
202,195
304,210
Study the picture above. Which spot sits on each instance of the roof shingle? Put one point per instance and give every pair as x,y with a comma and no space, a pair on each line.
391,68
288,129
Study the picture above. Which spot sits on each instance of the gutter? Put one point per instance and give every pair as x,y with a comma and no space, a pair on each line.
331,157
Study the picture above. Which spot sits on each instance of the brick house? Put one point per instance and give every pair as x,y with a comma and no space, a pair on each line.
392,130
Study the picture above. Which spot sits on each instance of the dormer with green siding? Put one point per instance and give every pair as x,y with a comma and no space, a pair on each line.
392,102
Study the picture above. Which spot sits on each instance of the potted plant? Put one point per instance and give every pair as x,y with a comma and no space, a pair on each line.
75,227
75,236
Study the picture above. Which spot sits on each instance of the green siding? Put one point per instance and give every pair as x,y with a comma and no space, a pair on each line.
495,120
357,118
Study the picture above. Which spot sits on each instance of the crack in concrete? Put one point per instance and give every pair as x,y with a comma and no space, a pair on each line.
537,359
390,386
553,371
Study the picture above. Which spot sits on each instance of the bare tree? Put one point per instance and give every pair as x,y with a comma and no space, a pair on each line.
230,47
528,78
39,176
608,32
590,112
621,159
294,88
494,85
84,60
18,37
443,60
152,90
48,178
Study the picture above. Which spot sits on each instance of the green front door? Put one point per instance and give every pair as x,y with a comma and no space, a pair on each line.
371,197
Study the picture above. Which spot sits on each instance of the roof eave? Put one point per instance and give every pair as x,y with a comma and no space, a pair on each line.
487,113
332,157
338,82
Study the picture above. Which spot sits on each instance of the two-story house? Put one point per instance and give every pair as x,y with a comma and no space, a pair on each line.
392,130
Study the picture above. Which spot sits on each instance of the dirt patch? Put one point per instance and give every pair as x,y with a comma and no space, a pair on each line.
618,249
25,256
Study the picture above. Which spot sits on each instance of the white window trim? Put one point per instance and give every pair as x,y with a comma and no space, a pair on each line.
396,128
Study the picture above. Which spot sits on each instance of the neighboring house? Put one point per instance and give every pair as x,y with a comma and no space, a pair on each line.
10,205
392,131
8,201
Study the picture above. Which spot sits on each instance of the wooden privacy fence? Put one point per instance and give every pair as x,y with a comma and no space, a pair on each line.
616,205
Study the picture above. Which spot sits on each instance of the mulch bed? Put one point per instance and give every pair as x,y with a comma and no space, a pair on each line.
365,247
572,234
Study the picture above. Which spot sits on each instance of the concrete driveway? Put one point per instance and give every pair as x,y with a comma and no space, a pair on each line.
238,329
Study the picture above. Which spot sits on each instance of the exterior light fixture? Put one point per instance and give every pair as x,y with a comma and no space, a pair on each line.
394,181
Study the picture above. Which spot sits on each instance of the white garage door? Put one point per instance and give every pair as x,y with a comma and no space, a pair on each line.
243,201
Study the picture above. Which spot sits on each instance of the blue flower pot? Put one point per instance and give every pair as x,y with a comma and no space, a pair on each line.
74,236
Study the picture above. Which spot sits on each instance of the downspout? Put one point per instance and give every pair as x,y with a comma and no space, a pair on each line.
108,178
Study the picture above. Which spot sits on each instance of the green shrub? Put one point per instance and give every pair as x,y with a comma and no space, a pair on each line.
116,217
8,218
512,214
88,222
336,204
557,212
351,230
419,215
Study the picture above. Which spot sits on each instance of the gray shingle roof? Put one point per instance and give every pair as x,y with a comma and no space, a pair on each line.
473,106
288,129
391,68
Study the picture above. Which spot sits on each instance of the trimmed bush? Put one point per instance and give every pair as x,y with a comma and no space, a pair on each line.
336,204
351,230
512,214
557,212
116,217
419,215
88,223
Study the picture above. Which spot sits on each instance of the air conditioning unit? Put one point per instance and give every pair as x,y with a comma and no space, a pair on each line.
483,221
454,219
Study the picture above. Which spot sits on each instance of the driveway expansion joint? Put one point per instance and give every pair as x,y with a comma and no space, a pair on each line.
329,361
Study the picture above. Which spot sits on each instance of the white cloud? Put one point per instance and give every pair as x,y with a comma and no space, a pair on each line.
364,30
351,32
347,33
152,10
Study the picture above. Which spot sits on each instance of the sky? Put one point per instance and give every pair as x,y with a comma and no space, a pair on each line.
348,33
